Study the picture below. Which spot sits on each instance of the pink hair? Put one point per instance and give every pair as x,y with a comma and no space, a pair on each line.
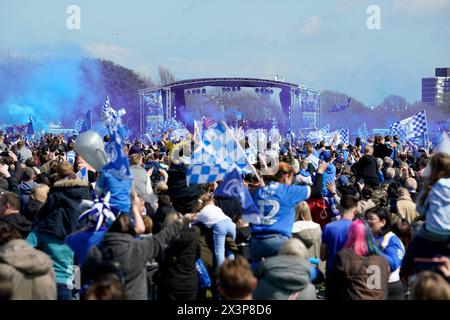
357,238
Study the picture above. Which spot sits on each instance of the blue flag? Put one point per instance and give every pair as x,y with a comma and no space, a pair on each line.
338,107
87,123
30,129
233,187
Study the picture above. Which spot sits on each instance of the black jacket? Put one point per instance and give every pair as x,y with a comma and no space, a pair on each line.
59,215
178,275
18,221
132,255
381,151
160,216
366,169
32,209
184,198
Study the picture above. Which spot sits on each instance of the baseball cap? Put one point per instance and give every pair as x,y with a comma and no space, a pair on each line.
343,180
326,155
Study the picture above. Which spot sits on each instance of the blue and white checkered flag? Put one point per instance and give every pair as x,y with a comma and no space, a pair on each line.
344,136
111,117
410,128
79,125
363,132
216,154
325,130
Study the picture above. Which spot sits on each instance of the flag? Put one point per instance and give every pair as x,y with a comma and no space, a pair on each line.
118,169
220,142
233,187
324,130
328,137
216,154
344,134
82,174
110,117
87,122
411,128
30,129
337,107
443,144
78,125
363,132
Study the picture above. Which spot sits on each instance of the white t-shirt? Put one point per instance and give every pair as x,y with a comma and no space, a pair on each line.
210,215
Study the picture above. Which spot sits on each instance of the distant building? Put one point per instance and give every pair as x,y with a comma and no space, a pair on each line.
433,89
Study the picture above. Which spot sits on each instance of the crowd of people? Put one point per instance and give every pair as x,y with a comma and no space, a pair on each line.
338,222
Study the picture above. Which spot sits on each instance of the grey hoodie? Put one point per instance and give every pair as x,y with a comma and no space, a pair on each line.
284,278
132,254
30,270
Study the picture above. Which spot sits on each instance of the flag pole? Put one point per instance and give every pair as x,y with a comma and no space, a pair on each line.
90,119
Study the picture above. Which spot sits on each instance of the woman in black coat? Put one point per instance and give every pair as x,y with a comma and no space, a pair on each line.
178,275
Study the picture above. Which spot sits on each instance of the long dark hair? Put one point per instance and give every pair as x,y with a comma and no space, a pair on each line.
440,168
123,225
382,214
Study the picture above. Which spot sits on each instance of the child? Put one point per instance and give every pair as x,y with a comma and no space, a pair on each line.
213,217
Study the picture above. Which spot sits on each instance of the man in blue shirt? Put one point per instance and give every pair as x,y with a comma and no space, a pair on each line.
330,173
334,237
276,202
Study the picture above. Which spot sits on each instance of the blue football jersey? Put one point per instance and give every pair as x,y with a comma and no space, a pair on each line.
276,203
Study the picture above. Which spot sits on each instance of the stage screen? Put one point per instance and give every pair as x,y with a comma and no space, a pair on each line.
258,106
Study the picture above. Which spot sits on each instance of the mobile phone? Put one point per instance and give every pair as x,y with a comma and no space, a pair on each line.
421,264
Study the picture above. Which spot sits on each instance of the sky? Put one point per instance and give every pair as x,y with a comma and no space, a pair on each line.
322,44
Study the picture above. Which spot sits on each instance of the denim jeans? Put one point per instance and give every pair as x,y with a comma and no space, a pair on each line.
64,293
222,229
267,247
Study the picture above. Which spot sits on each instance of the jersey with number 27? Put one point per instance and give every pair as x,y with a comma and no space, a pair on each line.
276,203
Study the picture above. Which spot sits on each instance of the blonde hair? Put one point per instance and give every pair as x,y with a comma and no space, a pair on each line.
293,247
303,212
171,218
403,192
430,286
148,223
40,193
64,169
161,187
203,201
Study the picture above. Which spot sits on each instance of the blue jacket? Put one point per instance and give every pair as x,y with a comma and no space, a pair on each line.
120,191
392,249
437,207
25,191
328,176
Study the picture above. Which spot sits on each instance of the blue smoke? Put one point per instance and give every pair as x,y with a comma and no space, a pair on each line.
51,90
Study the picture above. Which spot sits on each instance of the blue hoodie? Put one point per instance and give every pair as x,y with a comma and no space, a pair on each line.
25,191
328,176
